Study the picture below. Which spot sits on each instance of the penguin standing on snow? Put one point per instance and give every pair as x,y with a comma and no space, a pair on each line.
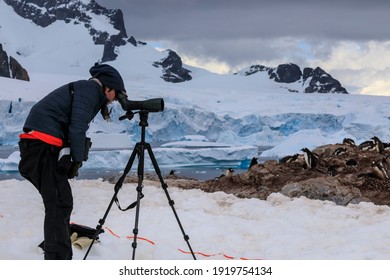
310,158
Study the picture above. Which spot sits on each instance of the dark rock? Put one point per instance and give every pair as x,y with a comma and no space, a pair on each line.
324,189
173,70
109,52
132,41
286,73
321,82
256,68
4,63
312,80
17,71
11,68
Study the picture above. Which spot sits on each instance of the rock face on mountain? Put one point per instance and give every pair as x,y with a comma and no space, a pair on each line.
10,67
173,70
311,80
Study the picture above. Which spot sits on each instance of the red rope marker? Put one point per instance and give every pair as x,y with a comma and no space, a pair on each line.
198,253
211,255
142,238
228,257
107,228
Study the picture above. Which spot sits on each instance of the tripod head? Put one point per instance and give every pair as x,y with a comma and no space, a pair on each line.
143,116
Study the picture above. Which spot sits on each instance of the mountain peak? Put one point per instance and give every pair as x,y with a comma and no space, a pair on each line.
311,80
45,13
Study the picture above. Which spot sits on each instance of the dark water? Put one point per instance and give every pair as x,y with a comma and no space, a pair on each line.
199,172
195,172
202,173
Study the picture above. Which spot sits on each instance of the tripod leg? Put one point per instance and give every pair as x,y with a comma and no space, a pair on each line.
170,201
140,173
117,187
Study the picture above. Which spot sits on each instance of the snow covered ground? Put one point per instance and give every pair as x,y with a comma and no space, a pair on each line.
220,226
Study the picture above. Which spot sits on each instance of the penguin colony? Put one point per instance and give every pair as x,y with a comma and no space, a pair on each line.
372,156
344,173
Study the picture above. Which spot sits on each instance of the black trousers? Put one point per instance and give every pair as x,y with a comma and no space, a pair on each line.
38,164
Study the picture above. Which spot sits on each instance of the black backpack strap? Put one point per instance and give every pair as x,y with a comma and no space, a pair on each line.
66,127
71,90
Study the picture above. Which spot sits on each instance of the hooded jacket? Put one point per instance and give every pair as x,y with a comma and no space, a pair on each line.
56,112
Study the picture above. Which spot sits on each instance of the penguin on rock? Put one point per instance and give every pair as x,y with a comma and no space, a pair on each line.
378,145
310,158
229,172
349,142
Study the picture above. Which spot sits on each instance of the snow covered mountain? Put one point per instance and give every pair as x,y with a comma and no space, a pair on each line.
259,107
106,29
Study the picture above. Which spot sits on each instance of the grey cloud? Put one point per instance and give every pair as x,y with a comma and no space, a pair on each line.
239,32
217,19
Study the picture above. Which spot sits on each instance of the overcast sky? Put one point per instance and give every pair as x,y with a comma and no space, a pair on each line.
349,39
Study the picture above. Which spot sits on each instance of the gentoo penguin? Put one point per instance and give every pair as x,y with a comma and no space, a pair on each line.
379,170
229,172
172,174
386,163
253,162
367,145
340,151
288,159
378,145
349,142
310,158
332,170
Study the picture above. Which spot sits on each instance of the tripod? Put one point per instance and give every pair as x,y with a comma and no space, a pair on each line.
139,150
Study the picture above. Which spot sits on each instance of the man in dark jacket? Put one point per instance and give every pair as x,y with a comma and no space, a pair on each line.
59,120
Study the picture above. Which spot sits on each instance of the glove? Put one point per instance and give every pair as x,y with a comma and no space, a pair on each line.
82,242
64,164
74,170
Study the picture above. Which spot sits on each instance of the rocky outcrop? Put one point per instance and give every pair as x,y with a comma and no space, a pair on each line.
311,80
44,13
317,80
10,67
172,68
135,43
344,173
